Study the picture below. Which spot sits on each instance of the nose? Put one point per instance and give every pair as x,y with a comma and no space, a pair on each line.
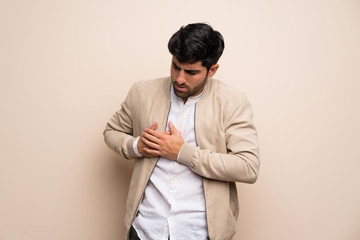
181,77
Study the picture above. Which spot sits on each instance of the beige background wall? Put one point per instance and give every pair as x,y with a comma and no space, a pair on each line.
65,67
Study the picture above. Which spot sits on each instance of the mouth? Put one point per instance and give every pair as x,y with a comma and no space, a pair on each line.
180,88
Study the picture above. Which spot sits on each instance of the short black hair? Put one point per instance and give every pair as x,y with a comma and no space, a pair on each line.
197,42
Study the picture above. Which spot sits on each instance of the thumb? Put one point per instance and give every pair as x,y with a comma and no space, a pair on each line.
172,128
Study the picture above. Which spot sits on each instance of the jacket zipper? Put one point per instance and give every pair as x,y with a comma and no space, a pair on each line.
196,141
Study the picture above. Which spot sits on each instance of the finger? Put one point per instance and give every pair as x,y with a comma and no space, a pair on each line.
149,143
154,126
143,143
153,133
150,137
172,128
152,151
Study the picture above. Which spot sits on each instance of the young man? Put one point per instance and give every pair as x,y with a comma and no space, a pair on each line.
192,137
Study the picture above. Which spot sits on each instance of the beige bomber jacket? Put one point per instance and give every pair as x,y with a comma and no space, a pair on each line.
227,149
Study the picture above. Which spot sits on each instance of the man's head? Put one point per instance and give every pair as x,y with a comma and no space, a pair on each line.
196,48
197,42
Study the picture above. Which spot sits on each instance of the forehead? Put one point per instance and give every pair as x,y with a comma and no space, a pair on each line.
185,65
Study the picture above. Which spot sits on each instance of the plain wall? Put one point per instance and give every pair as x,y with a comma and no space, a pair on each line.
66,66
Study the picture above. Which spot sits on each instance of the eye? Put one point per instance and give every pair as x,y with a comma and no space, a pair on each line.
191,72
176,67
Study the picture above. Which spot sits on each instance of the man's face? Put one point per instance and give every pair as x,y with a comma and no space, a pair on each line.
189,79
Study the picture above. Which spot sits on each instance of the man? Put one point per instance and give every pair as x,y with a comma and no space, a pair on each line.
192,137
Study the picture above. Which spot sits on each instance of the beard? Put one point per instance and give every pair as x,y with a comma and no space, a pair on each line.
190,91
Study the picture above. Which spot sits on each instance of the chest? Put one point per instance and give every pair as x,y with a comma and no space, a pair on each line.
201,121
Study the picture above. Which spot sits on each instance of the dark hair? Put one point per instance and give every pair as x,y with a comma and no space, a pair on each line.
197,42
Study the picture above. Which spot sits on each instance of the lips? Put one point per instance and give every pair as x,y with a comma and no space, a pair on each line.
181,88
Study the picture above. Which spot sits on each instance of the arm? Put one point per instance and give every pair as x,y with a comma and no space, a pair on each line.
119,130
118,133
241,162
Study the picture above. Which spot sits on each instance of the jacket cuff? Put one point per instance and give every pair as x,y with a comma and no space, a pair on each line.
135,142
130,149
185,155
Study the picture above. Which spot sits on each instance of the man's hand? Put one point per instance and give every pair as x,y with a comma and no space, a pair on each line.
165,144
141,145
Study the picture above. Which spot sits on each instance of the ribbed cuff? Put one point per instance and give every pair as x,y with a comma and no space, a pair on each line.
130,152
185,155
135,147
177,159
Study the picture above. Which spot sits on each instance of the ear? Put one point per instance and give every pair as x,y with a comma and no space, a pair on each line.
213,70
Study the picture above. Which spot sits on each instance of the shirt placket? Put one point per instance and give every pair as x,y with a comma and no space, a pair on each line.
181,120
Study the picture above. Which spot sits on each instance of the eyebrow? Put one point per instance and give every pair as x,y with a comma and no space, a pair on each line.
187,70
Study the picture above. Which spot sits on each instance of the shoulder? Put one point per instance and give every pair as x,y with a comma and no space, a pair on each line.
230,101
150,84
153,86
226,93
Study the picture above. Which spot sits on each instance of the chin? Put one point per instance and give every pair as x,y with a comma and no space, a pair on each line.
181,94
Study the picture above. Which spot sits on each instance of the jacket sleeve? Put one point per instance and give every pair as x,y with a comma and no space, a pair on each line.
241,161
118,133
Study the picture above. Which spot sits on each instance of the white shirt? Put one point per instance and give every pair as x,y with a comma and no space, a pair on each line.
174,201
